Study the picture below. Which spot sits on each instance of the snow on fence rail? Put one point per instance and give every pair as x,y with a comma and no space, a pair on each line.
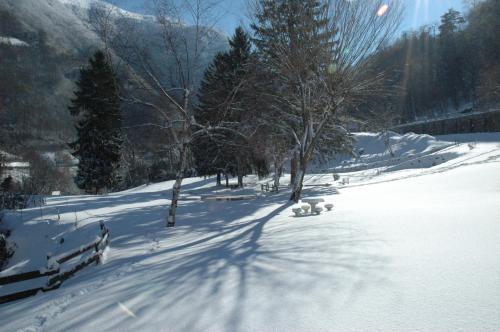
56,276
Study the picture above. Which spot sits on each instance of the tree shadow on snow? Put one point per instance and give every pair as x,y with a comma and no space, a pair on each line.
216,249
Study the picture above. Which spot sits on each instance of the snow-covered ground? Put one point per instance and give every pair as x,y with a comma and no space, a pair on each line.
411,245
12,41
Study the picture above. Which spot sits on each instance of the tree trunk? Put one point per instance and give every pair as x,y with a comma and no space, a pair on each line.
293,168
387,141
176,190
227,180
298,183
277,174
219,179
240,175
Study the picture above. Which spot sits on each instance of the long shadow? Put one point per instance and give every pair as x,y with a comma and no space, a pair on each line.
172,275
225,243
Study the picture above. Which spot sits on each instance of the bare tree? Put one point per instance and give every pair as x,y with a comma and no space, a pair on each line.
318,50
183,34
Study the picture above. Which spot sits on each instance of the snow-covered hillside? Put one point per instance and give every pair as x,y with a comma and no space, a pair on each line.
406,248
12,41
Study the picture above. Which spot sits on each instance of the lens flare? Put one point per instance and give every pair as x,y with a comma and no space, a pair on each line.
382,10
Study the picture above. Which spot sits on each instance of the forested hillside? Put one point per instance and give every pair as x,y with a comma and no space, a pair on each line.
43,46
39,72
444,68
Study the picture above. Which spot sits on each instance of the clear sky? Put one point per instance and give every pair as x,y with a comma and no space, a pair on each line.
418,13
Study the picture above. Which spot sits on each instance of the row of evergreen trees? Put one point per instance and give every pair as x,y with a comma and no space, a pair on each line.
99,142
441,69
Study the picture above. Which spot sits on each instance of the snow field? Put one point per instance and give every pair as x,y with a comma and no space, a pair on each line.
405,249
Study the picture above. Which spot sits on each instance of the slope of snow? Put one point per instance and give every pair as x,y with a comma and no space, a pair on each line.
65,30
374,150
114,10
415,249
12,41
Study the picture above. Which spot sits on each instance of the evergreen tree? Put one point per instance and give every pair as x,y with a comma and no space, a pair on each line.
98,146
296,42
223,99
451,63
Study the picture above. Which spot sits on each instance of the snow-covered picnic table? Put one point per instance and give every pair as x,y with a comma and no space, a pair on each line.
313,202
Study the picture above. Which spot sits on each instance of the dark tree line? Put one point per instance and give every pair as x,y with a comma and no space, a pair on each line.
441,69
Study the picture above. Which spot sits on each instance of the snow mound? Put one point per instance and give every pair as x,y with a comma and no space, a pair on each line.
13,41
375,150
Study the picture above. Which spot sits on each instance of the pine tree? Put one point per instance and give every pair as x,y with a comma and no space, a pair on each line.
223,99
98,146
452,61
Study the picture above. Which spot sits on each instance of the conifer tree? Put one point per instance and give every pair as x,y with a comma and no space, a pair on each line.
223,99
99,140
451,63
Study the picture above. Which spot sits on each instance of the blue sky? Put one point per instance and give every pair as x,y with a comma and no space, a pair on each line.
418,13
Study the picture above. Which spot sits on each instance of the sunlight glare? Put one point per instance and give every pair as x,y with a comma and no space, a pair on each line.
126,310
382,10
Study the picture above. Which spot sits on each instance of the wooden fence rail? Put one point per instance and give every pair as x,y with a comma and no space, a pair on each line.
58,277
26,276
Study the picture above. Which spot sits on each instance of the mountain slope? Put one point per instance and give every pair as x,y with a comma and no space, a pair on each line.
54,38
135,6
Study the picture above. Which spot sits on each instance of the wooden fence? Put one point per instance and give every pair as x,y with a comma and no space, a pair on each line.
56,275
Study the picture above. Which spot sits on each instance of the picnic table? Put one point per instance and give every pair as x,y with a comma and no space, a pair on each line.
313,202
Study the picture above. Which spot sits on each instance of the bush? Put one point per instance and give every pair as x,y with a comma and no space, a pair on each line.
5,251
45,177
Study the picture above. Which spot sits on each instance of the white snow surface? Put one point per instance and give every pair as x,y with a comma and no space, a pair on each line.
12,41
406,248
86,4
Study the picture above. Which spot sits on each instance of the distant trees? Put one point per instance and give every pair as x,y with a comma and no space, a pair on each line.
451,61
440,69
483,51
98,144
30,73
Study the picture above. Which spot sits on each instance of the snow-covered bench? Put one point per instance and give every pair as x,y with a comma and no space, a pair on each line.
329,207
317,210
344,181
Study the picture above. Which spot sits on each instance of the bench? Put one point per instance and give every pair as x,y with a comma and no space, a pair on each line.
267,187
344,181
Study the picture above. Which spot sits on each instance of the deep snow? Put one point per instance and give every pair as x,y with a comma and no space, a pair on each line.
407,248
